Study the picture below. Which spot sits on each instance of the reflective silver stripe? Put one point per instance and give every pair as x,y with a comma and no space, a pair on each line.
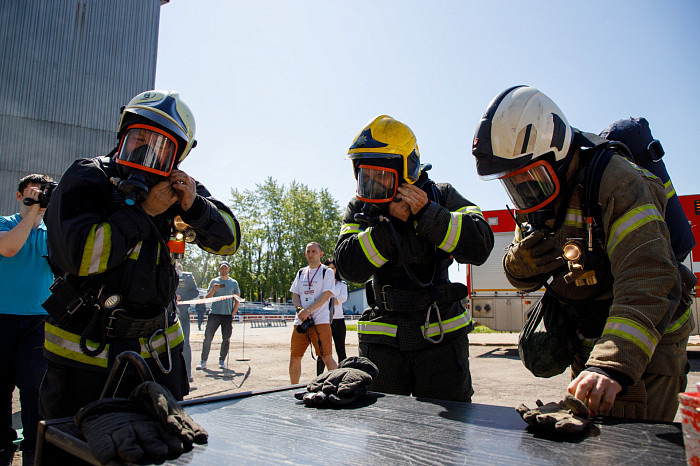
629,222
679,322
376,328
67,345
449,325
453,231
631,331
641,170
350,228
471,209
175,337
670,190
370,251
135,251
96,250
574,218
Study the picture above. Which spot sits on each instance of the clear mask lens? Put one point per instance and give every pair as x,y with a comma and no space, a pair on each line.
148,149
376,184
532,187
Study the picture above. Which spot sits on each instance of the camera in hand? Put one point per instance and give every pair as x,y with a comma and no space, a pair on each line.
47,189
306,325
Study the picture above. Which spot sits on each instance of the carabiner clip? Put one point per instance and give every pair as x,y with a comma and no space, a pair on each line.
426,327
154,353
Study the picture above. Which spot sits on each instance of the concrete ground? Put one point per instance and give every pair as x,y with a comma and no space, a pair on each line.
259,359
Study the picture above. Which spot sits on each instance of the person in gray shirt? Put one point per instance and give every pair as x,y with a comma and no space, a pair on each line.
221,314
186,290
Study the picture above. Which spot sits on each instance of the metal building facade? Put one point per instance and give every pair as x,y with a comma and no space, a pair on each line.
66,68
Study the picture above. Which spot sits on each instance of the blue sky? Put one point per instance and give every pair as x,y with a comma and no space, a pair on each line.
281,88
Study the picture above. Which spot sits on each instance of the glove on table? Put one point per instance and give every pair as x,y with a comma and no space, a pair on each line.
159,403
534,255
114,429
568,416
340,386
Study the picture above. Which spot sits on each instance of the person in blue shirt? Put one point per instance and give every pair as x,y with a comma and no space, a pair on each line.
25,278
221,314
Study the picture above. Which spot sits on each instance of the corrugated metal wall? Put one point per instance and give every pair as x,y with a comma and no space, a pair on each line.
66,68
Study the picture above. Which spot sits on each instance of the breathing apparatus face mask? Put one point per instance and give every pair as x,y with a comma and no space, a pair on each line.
532,187
376,184
146,155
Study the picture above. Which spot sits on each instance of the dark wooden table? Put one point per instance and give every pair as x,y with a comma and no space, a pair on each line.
272,427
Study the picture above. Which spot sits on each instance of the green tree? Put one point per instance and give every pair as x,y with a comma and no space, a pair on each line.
277,222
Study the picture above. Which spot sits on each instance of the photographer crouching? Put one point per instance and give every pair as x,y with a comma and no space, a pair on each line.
312,288
108,223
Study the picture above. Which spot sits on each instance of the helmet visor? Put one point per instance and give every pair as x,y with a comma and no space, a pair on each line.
376,184
147,148
532,187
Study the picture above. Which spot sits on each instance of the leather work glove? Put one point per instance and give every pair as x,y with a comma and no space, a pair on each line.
568,416
115,430
534,255
340,386
159,403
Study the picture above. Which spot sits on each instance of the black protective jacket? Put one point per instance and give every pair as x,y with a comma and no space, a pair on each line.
450,227
97,241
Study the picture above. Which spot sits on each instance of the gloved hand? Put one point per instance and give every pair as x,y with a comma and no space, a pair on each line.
159,403
114,429
568,416
534,255
340,386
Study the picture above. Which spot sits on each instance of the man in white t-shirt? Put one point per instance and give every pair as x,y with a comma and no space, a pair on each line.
312,288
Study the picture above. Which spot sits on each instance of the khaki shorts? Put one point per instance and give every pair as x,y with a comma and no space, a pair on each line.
317,333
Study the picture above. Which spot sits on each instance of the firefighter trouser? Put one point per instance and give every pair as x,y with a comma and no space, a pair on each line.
439,371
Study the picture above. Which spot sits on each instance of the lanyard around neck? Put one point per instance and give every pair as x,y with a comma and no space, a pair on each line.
311,281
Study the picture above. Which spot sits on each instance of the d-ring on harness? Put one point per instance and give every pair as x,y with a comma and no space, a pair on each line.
152,350
426,327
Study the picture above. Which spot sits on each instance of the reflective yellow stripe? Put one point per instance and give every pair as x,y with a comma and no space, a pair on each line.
96,252
678,323
471,209
631,331
376,328
135,251
370,251
67,345
227,249
670,190
629,222
641,170
175,337
350,228
574,218
449,325
453,231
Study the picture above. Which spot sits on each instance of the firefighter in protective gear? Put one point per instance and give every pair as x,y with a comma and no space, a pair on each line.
629,342
402,230
109,221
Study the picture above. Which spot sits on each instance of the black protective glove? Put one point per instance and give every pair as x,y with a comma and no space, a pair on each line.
159,403
534,255
568,416
114,429
340,386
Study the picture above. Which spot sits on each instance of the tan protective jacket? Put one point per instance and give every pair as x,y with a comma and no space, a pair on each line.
643,330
